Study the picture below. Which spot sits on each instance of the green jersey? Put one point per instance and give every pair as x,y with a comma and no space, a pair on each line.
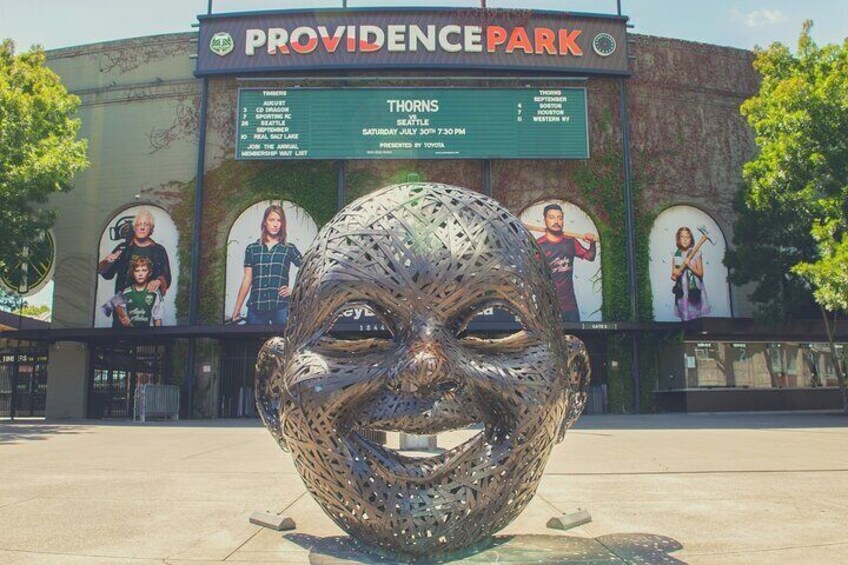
143,307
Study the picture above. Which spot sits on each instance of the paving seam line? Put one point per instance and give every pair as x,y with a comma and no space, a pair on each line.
256,533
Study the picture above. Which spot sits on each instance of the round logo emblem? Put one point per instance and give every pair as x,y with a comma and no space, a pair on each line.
222,43
604,44
33,266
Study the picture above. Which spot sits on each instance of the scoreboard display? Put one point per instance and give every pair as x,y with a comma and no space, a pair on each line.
412,123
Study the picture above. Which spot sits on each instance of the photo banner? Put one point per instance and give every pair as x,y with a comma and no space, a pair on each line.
688,275
264,253
571,244
137,270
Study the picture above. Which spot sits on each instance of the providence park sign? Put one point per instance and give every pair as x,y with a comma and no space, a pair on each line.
520,40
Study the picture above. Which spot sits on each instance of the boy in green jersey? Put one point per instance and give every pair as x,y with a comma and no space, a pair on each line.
139,307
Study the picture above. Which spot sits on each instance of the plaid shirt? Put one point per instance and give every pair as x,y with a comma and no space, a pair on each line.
270,272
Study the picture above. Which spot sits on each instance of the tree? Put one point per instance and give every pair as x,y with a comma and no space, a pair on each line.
39,149
796,188
829,277
32,311
769,241
11,302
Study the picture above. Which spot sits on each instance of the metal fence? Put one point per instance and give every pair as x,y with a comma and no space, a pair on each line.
118,370
156,401
23,383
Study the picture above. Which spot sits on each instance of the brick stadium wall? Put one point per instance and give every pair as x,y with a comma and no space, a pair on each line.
140,111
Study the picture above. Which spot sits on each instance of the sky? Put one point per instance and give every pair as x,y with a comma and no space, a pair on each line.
736,23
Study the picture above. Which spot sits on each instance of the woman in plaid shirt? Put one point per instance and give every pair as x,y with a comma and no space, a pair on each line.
267,262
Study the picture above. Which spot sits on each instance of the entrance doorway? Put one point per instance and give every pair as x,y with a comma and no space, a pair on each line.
23,383
238,371
116,372
597,401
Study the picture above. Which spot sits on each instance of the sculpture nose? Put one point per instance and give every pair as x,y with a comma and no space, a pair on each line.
424,369
420,373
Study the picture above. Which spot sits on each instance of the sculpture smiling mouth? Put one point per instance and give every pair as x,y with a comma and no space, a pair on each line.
439,412
395,465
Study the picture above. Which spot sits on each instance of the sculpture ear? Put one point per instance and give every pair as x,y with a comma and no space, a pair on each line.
579,374
269,380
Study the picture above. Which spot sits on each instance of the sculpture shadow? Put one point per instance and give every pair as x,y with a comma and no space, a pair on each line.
630,548
17,431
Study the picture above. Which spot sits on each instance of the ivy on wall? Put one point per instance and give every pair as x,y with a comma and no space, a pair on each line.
363,177
600,182
360,182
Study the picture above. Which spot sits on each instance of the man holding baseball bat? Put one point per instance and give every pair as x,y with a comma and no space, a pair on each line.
560,249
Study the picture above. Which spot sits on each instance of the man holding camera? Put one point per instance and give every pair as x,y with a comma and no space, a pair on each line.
139,243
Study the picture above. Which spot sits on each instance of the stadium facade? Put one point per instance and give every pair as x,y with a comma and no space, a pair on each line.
621,152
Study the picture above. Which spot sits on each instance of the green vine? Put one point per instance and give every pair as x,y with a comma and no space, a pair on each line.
601,184
358,183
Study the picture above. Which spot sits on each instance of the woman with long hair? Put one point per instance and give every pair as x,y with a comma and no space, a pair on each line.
687,272
267,262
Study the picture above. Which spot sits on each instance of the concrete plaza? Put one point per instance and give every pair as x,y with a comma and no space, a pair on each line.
661,489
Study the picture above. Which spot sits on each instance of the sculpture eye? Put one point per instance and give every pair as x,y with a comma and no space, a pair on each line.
357,328
493,328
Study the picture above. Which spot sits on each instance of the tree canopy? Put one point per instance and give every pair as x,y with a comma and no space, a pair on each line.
11,302
39,147
791,231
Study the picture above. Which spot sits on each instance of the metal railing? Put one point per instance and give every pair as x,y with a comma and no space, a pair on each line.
156,401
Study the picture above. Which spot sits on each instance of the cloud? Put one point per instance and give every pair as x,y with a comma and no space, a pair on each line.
759,18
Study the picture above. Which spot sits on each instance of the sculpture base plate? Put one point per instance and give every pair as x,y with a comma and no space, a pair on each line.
614,548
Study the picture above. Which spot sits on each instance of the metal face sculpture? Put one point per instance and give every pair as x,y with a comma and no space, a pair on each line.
425,259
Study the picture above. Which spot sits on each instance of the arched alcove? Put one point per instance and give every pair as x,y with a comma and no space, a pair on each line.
301,230
115,256
664,252
571,257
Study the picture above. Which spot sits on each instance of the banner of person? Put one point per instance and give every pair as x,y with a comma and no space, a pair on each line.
264,252
570,242
137,270
688,276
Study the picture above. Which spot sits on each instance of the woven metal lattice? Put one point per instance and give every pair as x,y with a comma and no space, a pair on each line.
425,259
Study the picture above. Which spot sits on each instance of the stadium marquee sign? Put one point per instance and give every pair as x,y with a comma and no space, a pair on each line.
417,38
412,123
